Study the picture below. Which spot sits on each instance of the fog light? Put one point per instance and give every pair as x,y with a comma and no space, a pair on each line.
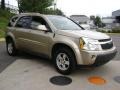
93,57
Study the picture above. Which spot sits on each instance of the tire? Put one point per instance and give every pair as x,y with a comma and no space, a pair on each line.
11,49
64,61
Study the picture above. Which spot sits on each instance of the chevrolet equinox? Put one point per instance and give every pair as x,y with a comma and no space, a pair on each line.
60,39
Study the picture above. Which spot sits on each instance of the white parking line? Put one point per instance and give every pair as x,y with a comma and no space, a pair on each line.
35,74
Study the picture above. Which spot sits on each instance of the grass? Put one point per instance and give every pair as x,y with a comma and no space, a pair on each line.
3,25
4,19
113,34
2,34
5,15
115,30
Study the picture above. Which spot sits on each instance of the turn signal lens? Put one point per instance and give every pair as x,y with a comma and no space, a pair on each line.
81,43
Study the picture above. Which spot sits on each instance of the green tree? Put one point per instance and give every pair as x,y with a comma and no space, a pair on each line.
34,5
59,12
98,21
3,4
54,11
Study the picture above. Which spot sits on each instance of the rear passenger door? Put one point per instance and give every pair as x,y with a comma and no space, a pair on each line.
22,32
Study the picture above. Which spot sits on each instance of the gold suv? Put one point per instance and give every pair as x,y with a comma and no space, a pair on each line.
60,39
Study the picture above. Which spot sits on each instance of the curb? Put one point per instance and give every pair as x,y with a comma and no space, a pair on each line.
2,39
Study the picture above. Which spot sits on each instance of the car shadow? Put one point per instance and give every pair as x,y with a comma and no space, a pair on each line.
28,56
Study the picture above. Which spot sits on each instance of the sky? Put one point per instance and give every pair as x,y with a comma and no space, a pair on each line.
102,8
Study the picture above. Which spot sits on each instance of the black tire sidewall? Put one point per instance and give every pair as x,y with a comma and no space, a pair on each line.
13,45
71,57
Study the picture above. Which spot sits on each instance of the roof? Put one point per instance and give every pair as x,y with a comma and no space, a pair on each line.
78,16
29,14
36,14
116,13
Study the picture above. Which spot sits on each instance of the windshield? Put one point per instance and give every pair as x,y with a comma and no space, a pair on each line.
63,23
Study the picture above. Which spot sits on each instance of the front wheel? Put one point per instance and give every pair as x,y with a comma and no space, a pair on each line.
64,61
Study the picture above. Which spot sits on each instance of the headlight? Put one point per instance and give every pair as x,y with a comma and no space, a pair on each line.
89,44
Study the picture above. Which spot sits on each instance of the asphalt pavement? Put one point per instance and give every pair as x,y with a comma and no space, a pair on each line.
116,41
5,59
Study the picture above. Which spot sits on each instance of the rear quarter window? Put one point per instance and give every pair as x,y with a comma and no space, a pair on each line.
12,21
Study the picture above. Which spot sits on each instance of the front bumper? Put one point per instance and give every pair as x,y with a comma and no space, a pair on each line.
103,59
97,58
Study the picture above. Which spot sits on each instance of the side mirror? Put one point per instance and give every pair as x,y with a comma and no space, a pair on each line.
42,28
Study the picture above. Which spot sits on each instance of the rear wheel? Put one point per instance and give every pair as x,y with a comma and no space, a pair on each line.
64,61
11,49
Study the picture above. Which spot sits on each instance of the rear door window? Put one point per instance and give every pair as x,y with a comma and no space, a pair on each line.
24,22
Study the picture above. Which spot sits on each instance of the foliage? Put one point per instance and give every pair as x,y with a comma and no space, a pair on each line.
5,15
97,21
59,12
2,34
34,5
3,24
113,30
54,12
116,30
39,6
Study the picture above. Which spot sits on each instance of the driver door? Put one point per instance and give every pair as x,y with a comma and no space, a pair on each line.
40,40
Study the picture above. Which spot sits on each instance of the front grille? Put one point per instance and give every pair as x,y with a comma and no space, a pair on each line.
107,45
104,40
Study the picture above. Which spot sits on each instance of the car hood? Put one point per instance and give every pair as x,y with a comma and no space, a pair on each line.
83,33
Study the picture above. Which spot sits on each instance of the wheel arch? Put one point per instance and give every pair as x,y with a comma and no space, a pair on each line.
10,36
59,45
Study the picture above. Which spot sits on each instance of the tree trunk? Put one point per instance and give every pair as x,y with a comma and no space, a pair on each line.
18,1
3,4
